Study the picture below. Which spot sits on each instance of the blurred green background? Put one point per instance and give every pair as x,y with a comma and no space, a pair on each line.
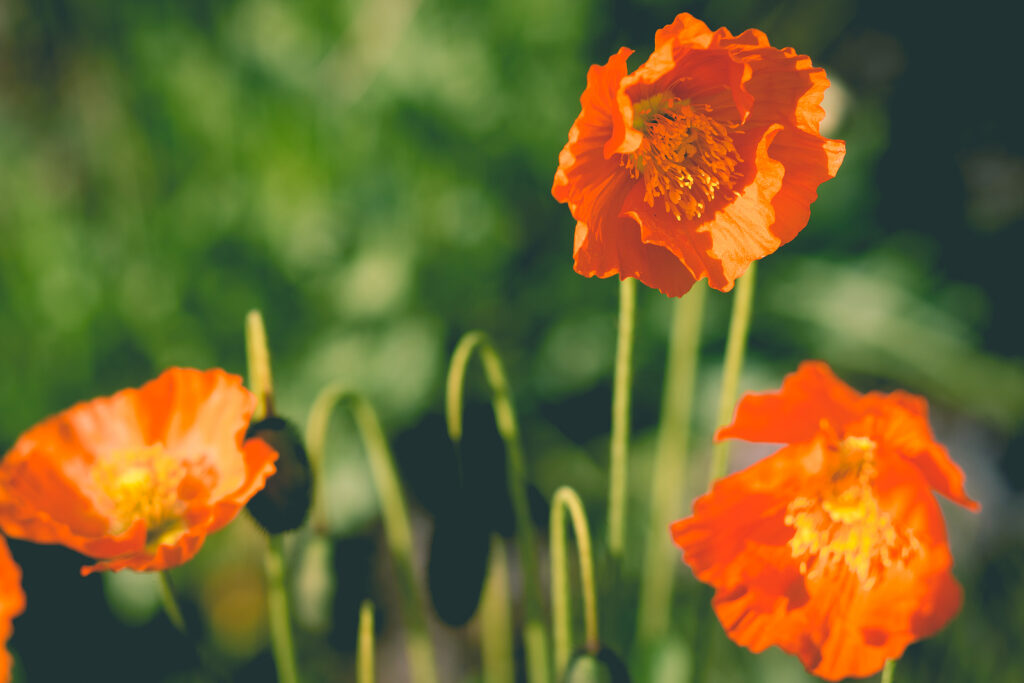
374,175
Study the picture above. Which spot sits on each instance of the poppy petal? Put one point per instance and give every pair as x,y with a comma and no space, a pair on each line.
795,412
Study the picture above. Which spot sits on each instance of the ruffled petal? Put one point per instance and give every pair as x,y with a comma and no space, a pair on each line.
787,88
743,513
583,166
741,230
794,413
907,603
686,29
615,248
808,160
903,421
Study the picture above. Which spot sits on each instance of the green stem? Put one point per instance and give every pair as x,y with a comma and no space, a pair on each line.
170,602
535,636
364,646
621,389
261,381
395,515
668,483
736,345
888,670
565,498
496,649
281,642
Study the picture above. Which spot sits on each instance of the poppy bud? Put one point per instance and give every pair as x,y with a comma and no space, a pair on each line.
283,503
604,667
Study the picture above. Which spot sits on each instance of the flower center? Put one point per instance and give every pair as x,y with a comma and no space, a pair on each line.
686,157
842,526
143,484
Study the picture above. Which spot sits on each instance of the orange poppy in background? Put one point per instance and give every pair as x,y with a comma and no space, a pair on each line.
137,479
704,159
12,603
834,547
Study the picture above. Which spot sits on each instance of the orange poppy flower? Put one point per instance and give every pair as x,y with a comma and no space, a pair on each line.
704,159
833,548
137,479
12,603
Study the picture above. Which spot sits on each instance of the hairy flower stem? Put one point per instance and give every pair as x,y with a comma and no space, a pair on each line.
365,646
497,652
735,347
888,670
561,619
393,511
534,633
668,483
261,383
621,390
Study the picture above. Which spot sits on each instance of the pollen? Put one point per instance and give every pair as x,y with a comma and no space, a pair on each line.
686,159
842,527
143,484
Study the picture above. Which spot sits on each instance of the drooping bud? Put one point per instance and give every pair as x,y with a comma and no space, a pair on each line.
283,503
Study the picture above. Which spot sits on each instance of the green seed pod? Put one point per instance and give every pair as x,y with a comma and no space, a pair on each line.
283,503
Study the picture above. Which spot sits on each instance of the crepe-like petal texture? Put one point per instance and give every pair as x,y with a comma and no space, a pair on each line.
705,158
12,603
140,478
833,548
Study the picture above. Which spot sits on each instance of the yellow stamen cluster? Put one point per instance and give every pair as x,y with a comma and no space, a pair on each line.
143,484
842,526
686,159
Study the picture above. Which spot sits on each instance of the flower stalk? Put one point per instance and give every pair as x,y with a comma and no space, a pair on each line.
535,635
496,643
261,384
394,513
735,349
670,462
278,612
888,670
621,390
365,645
566,499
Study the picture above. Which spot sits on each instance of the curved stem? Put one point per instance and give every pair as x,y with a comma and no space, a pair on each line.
735,347
364,646
621,390
668,483
261,381
565,498
535,637
888,670
496,646
395,515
